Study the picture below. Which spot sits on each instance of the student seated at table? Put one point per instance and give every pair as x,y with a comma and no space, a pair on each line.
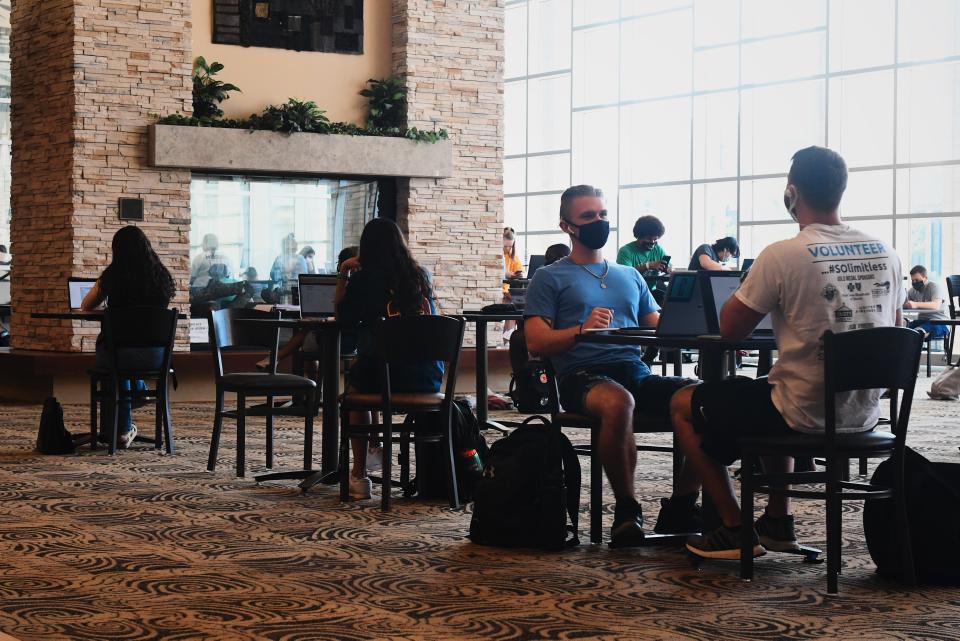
799,282
135,277
924,294
555,253
584,292
714,256
384,280
645,253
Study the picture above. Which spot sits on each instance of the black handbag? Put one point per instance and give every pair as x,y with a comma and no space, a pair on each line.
53,437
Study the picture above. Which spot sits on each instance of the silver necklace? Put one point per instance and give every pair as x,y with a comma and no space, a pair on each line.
606,268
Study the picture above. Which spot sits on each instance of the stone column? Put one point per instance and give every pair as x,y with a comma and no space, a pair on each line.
88,77
451,56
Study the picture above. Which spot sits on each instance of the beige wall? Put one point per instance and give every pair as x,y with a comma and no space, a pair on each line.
270,76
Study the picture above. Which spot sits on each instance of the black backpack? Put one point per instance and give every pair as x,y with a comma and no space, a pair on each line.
933,511
431,469
531,380
529,490
53,437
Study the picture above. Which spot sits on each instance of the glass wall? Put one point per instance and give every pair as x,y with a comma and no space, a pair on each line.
691,109
251,237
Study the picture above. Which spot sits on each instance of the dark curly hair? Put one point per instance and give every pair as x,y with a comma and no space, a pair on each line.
135,275
382,248
647,226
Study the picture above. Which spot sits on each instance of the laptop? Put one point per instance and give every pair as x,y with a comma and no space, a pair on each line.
747,264
316,295
717,287
683,312
78,288
536,262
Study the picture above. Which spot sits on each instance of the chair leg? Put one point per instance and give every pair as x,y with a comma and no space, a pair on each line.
677,461
387,469
596,488
903,523
834,515
749,461
344,456
269,434
215,437
404,457
114,415
929,371
167,419
451,465
863,466
158,419
311,401
93,412
241,435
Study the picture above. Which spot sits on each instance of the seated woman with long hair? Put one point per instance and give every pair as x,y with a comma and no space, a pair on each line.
384,280
135,277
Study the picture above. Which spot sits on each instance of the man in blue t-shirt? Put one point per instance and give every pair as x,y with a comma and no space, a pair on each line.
583,292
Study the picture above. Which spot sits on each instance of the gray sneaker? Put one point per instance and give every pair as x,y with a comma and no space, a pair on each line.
722,543
778,534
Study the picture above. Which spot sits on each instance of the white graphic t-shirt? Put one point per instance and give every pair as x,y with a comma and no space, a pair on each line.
826,277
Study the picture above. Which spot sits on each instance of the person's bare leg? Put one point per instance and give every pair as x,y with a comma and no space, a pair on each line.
292,346
613,405
714,477
688,481
359,446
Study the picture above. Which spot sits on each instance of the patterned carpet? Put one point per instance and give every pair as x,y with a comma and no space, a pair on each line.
144,546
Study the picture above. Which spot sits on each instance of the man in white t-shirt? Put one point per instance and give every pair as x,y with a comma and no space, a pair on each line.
828,277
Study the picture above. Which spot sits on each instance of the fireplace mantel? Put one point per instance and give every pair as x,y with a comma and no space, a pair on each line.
243,151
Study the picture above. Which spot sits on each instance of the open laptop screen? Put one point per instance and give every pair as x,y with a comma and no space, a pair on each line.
316,294
78,289
536,262
718,287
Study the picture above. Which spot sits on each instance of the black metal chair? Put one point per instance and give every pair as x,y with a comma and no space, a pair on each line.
404,340
953,302
225,334
878,358
128,333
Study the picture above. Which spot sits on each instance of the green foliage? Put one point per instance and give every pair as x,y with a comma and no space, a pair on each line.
208,93
291,117
388,103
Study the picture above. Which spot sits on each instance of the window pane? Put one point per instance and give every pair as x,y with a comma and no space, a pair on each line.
549,35
928,190
776,122
543,212
538,243
547,173
714,212
549,113
515,118
595,143
928,113
861,118
763,199
657,56
787,58
931,242
671,205
515,42
514,176
643,7
590,11
514,213
715,68
715,135
753,238
861,33
929,29
595,67
655,143
716,22
772,17
869,193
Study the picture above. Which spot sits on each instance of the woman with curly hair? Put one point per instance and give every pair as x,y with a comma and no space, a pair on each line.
135,277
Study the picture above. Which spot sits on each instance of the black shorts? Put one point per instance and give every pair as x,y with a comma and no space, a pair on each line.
726,411
650,393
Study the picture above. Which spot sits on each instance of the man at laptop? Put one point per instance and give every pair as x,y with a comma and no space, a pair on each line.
584,292
829,276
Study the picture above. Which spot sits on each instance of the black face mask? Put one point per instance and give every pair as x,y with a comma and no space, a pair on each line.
917,285
594,235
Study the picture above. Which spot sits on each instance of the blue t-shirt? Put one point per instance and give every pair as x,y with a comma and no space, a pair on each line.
565,293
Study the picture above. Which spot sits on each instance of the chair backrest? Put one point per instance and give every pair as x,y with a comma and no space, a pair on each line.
138,328
876,358
953,295
225,333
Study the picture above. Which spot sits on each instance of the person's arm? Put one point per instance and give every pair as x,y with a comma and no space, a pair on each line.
544,340
737,320
899,321
341,290
708,263
93,299
933,304
650,320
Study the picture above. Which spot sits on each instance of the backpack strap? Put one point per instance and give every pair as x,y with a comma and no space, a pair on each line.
573,480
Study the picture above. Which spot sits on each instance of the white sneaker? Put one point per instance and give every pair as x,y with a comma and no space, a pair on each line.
124,441
360,488
374,457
